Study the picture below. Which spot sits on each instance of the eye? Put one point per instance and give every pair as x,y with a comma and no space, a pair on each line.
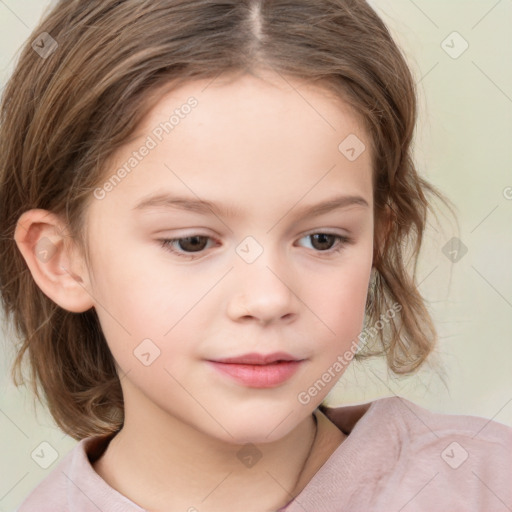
326,241
187,247
195,243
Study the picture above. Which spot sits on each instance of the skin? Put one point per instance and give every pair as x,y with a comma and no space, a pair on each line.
256,145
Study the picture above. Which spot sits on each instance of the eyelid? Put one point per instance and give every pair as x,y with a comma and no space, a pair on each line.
325,231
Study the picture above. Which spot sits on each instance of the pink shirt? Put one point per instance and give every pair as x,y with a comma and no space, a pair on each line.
398,457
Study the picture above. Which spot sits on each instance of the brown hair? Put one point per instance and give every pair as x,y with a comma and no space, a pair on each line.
63,115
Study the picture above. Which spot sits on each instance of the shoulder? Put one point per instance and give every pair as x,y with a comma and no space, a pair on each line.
50,493
74,485
423,430
399,416
446,460
410,458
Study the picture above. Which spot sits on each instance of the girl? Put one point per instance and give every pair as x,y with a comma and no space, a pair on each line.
201,205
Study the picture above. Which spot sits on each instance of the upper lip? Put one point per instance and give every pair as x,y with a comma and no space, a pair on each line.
255,358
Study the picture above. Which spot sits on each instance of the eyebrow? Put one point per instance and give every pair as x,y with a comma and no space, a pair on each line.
205,207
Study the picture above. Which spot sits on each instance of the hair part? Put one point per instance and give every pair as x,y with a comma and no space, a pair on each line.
63,117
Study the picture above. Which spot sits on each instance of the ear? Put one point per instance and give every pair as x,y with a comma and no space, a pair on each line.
54,260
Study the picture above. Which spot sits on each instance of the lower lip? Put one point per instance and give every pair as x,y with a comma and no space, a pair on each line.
259,376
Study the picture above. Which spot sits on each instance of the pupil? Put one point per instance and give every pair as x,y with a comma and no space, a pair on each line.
323,238
193,241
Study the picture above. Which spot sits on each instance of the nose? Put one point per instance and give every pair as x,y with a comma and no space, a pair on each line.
263,291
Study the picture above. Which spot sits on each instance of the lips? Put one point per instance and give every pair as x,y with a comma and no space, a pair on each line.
259,359
258,370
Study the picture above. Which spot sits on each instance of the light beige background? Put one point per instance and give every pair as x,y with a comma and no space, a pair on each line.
463,146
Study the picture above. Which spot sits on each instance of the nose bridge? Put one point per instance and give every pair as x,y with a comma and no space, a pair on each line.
262,278
260,254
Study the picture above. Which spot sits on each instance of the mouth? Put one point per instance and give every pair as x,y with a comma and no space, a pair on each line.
259,359
258,370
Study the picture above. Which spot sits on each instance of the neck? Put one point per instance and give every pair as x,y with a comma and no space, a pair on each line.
154,455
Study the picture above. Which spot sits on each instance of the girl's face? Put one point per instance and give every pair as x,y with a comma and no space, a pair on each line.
265,270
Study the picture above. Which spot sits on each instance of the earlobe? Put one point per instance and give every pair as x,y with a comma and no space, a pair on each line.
53,260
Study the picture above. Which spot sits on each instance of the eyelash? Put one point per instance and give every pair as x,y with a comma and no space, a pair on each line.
167,244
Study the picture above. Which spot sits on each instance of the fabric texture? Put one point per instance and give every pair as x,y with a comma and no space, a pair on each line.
398,457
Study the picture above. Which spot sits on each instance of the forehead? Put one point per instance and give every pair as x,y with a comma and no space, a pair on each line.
246,142
270,102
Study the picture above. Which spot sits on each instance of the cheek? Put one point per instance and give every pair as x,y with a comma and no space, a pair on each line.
140,290
137,306
340,301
